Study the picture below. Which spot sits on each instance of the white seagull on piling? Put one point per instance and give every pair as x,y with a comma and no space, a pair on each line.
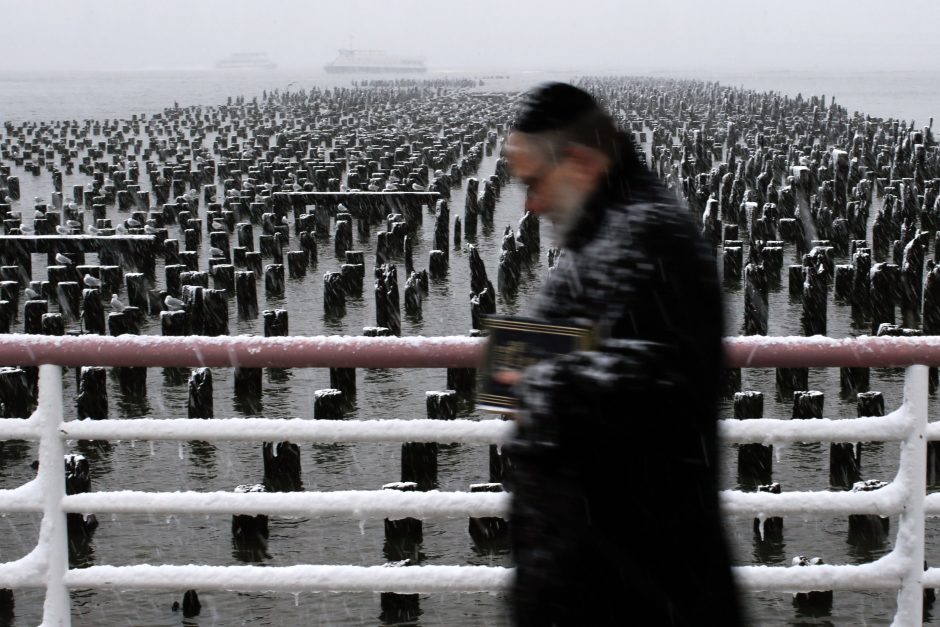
121,229
73,224
132,223
116,305
150,230
418,188
173,304
62,259
31,294
91,230
218,226
216,252
91,281
61,230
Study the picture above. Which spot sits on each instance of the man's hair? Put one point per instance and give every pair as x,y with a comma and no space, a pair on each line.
560,113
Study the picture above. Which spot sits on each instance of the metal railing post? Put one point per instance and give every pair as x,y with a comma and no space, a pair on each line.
913,472
53,531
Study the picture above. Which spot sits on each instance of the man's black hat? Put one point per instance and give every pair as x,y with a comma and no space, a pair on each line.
553,106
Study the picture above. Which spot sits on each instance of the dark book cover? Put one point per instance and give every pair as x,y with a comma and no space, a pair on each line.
515,343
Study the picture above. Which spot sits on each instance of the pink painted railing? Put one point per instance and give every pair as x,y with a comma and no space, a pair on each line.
47,565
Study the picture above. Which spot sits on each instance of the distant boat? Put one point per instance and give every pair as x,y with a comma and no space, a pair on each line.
373,61
246,61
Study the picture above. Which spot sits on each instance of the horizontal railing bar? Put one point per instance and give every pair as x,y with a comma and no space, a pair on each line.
882,574
773,430
420,352
26,572
306,578
932,504
758,351
242,351
24,498
355,504
18,429
292,429
887,501
435,504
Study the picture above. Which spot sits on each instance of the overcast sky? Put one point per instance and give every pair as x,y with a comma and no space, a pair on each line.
651,35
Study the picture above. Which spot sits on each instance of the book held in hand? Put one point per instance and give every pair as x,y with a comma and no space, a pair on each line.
515,343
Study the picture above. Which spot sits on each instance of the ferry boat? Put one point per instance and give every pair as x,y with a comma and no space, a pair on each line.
373,61
246,61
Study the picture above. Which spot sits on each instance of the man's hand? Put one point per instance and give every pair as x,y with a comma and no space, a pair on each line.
507,377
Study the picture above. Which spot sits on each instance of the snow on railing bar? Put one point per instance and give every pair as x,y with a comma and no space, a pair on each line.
46,566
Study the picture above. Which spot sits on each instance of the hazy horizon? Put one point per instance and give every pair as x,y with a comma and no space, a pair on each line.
671,36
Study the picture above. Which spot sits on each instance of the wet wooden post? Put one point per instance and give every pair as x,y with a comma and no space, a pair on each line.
403,536
92,400
334,295
281,467
78,481
274,280
15,392
387,307
246,295
250,532
200,393
755,461
808,404
883,287
489,533
328,404
814,602
768,532
868,529
755,300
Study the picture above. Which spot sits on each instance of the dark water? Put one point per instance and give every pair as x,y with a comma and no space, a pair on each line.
134,539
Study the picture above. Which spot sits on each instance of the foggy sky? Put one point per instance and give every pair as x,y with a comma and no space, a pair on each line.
584,35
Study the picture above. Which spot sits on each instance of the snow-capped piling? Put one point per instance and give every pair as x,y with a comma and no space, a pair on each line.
868,529
489,533
808,404
768,531
78,481
404,535
250,532
328,404
813,602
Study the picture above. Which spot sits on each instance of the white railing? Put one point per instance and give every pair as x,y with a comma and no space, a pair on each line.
46,566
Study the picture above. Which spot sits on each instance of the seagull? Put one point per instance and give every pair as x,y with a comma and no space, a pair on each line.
73,224
173,304
61,230
418,188
131,222
218,226
39,215
31,294
62,259
92,230
150,230
284,220
121,229
72,206
216,252
91,281
374,188
116,305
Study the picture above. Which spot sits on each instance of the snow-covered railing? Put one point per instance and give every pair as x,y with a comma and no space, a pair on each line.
47,564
